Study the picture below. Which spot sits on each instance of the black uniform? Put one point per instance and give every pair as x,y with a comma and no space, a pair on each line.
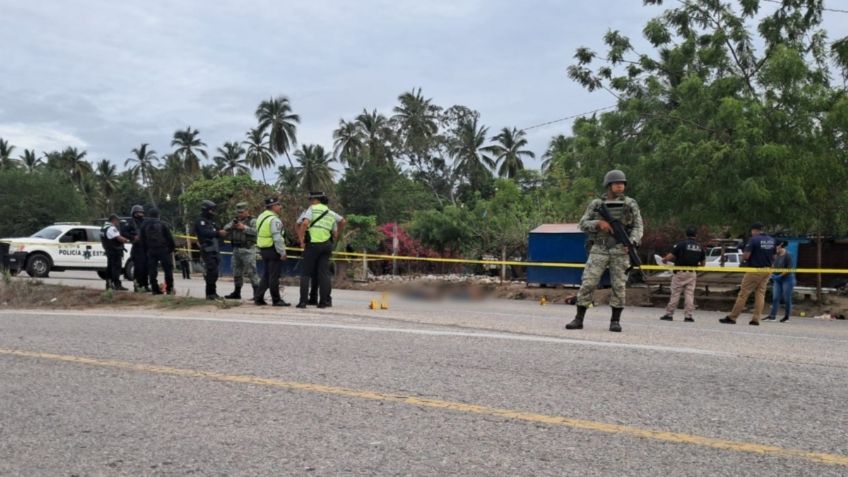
688,253
138,254
114,250
157,239
207,235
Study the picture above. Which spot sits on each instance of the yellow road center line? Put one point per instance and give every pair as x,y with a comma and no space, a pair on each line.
631,431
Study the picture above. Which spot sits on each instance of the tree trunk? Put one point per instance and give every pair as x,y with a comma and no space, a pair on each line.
503,265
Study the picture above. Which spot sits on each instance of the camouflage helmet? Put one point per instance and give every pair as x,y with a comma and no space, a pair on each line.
207,205
614,176
136,209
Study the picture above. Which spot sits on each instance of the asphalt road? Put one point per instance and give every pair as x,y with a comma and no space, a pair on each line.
424,388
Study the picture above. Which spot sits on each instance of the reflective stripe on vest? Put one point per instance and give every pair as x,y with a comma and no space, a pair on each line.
263,234
321,231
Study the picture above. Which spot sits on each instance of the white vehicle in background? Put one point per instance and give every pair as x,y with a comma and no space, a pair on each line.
58,247
731,259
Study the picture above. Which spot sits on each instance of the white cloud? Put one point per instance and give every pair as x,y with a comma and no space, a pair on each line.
40,138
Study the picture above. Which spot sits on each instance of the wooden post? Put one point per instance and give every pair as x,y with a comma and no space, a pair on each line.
819,265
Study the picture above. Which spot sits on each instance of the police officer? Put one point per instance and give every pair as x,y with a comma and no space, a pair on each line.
272,249
208,234
159,242
316,235
604,251
113,245
759,253
687,253
313,280
242,233
138,254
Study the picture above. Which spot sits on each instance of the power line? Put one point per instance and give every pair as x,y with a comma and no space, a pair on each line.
567,118
823,8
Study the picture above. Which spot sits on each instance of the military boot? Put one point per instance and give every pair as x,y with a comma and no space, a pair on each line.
577,322
235,295
615,324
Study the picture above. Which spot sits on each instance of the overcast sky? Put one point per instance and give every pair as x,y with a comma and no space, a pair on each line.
107,76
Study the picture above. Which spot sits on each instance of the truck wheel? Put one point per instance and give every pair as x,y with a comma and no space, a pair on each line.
128,270
38,266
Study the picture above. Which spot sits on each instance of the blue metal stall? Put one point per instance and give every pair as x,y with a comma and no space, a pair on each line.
557,243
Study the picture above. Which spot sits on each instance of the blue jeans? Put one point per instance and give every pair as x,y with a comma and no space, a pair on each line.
782,288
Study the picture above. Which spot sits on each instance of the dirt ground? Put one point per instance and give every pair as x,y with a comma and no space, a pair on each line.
37,294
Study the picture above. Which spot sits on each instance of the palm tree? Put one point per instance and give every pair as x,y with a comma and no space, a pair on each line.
469,152
259,154
107,179
418,120
143,166
313,170
287,179
76,166
188,147
276,116
347,141
6,161
30,161
377,133
229,160
508,152
559,146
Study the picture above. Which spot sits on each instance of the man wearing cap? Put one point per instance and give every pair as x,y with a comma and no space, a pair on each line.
758,253
687,253
138,254
313,280
242,232
208,235
272,249
113,245
315,234
605,253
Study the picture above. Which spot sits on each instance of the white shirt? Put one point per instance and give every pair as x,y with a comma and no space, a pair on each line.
112,232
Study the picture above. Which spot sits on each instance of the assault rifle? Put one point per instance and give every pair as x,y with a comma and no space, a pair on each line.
621,236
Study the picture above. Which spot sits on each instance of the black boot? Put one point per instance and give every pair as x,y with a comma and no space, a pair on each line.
577,322
615,324
236,294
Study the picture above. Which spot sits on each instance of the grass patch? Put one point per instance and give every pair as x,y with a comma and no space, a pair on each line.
28,293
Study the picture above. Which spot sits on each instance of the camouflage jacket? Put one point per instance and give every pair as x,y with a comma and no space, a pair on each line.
601,241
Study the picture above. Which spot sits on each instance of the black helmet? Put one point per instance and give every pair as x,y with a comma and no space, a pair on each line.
207,205
136,209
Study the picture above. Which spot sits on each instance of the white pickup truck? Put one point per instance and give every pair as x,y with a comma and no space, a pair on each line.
59,247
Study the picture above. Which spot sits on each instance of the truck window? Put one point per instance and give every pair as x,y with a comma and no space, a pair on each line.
74,235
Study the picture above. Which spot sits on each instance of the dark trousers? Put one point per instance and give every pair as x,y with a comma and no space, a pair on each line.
154,258
138,255
271,275
113,267
316,260
185,267
211,261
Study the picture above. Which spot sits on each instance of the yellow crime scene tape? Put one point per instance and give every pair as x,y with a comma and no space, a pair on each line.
349,256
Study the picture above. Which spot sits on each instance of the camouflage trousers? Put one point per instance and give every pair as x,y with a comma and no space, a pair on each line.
595,266
244,265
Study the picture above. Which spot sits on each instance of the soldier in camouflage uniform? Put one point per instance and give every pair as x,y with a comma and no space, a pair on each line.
242,232
605,252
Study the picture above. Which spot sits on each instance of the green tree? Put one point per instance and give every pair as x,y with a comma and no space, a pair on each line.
347,141
508,153
107,181
142,166
470,154
30,161
259,155
189,148
6,160
377,135
313,169
275,115
231,161
30,201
